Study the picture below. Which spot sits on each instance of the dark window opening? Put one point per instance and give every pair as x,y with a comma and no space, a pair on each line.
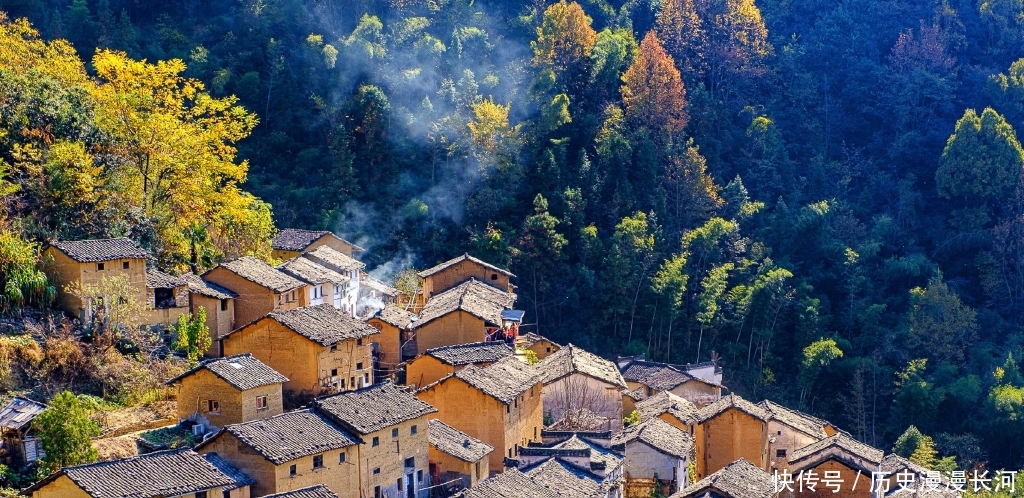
318,461
334,372
400,486
376,471
394,432
494,276
780,453
376,442
359,342
334,347
359,366
410,462
124,266
419,475
341,457
376,492
412,430
164,298
199,494
100,266
291,470
223,304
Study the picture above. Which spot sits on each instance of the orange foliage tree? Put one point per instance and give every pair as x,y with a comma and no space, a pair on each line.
653,91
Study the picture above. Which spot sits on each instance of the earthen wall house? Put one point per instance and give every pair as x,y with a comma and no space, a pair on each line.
320,349
228,391
457,455
729,429
842,456
540,345
290,451
394,325
292,242
261,288
440,362
790,430
460,315
507,405
575,379
85,263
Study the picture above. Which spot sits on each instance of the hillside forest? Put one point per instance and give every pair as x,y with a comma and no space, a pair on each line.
825,197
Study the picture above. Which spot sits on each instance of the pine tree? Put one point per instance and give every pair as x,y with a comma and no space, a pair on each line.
653,91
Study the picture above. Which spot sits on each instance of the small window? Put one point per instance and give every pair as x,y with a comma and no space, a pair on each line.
780,433
291,470
341,457
223,304
376,471
352,382
549,349
376,442
508,409
261,402
366,379
780,453
494,276
227,493
419,475
359,366
199,494
318,461
213,406
334,372
334,347
124,265
359,341
394,432
100,266
413,430
410,462
400,482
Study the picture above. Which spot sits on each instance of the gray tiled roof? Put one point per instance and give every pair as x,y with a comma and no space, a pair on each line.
294,239
457,443
197,285
242,371
530,338
843,442
241,479
475,352
259,272
159,474
598,453
638,394
503,380
566,479
311,273
800,421
472,296
732,401
456,260
373,408
513,484
323,324
572,359
373,284
156,279
96,250
666,402
395,316
318,491
334,260
283,438
660,376
19,413
740,479
659,435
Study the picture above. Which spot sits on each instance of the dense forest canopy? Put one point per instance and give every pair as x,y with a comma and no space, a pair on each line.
825,195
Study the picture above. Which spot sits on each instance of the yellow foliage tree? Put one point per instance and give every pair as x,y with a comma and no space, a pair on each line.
565,41
177,143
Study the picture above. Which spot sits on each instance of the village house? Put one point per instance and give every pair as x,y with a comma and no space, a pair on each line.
729,429
670,408
290,451
906,479
229,390
18,446
514,484
587,455
648,378
261,288
291,242
469,312
167,298
656,454
507,412
457,270
219,304
572,480
373,295
318,491
540,345
393,427
323,284
437,363
740,479
393,344
320,349
850,461
342,264
456,456
576,382
163,474
789,430
85,263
